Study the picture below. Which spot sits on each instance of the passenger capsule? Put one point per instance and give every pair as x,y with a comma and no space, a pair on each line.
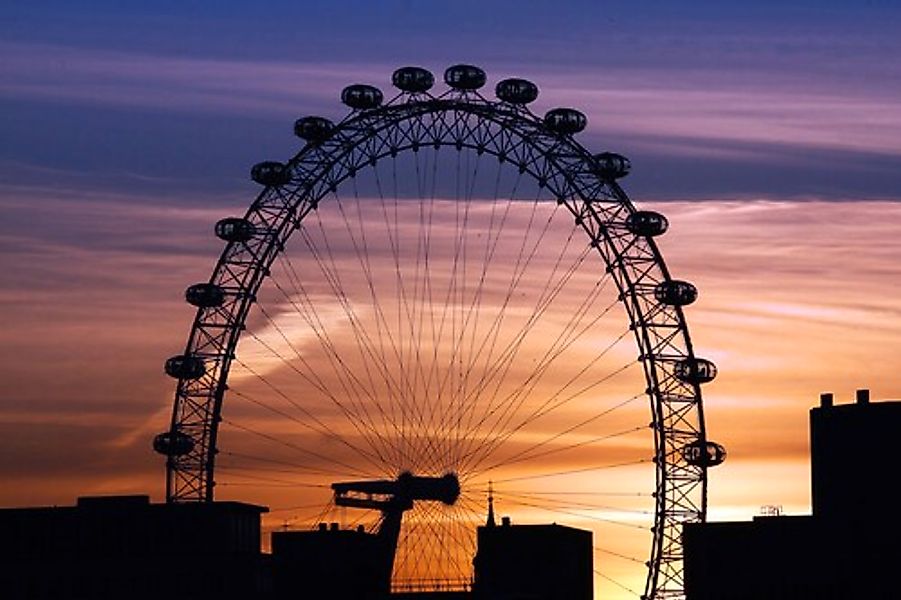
647,223
464,77
565,121
234,229
182,366
313,129
270,172
704,454
612,165
205,295
413,79
516,91
173,443
675,292
695,370
361,96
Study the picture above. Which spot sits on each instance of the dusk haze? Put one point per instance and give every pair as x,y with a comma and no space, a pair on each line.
482,236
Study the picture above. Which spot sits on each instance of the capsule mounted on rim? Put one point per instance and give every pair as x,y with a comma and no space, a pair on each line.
675,292
414,80
704,454
234,229
464,77
646,223
360,96
173,443
205,295
270,173
185,366
516,91
695,370
313,129
565,121
612,165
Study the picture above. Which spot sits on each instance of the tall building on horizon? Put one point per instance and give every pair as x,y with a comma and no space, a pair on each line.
846,550
127,548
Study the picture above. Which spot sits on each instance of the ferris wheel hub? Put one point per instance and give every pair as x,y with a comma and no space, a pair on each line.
397,494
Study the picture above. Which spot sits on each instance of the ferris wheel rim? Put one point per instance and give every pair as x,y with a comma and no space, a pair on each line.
336,158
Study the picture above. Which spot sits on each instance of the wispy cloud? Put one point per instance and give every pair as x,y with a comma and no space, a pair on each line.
655,103
92,291
259,88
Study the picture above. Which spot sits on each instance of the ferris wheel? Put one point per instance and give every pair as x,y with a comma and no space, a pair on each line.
443,298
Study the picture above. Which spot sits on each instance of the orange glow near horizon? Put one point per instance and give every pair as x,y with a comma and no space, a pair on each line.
795,298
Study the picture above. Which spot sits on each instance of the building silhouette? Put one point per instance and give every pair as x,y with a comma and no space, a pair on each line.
533,562
846,550
328,562
125,548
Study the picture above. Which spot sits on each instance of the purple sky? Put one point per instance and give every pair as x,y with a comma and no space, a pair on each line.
705,97
769,132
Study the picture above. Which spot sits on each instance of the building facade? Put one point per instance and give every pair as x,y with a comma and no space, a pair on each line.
846,550
126,548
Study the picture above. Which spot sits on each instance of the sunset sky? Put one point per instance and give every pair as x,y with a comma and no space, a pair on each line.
769,133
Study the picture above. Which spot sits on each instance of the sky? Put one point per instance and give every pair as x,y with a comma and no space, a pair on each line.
769,133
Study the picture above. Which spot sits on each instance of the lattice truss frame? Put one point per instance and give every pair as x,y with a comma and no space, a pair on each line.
512,133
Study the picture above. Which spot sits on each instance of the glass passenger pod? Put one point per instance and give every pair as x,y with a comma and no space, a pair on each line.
612,165
183,366
413,79
675,292
205,295
516,91
173,443
360,96
704,454
695,370
313,129
464,77
565,121
270,173
235,229
647,223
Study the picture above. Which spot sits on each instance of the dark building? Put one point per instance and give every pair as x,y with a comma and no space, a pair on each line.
125,548
848,548
329,562
533,562
338,564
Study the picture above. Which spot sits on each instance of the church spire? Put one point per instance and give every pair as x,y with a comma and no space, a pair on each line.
490,522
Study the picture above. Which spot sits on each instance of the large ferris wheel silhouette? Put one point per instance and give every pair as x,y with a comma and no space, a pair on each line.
440,294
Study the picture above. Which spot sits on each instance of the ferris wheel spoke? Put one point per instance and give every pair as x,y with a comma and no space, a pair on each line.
396,390
256,479
549,406
456,297
578,514
323,428
400,297
295,467
525,456
617,583
496,373
320,428
607,551
475,307
345,377
514,399
366,348
300,449
559,473
464,331
551,503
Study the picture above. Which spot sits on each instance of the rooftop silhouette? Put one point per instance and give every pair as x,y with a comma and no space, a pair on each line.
846,549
